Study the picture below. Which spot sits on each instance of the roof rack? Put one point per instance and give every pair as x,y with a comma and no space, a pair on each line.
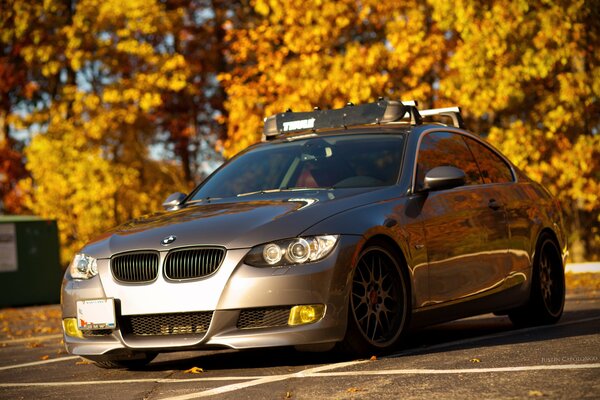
450,112
380,112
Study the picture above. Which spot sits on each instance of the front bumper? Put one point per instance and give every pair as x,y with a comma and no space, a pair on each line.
234,289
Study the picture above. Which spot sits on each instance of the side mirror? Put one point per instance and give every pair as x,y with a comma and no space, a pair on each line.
174,201
446,177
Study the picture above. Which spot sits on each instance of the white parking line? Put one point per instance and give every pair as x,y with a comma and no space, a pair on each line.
266,379
459,371
31,364
315,373
318,372
325,370
142,380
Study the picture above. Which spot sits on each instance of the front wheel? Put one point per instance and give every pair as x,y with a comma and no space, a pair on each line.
547,298
378,305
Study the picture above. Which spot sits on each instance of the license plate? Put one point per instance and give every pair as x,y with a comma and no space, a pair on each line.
96,314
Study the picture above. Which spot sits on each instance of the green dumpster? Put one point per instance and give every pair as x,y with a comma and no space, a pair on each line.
30,270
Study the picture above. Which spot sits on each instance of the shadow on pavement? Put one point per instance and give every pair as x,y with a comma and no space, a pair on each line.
416,343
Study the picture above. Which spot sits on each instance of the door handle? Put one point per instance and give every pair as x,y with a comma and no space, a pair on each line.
494,205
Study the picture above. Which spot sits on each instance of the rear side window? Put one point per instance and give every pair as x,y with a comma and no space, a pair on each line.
445,149
493,168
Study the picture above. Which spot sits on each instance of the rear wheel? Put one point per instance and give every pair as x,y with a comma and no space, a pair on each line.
138,360
378,304
547,296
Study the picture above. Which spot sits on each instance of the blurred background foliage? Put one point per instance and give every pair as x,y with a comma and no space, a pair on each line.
107,106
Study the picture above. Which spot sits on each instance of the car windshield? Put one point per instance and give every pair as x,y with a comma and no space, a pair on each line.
314,163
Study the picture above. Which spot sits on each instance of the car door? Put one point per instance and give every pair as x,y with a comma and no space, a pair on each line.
465,227
498,176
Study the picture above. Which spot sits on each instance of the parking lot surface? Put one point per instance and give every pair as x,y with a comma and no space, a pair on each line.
483,357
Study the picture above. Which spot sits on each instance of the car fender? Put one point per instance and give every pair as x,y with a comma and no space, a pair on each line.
388,220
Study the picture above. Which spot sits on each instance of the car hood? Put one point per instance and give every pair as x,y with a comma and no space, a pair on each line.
241,222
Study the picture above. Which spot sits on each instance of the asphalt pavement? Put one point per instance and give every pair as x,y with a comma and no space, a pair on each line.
482,357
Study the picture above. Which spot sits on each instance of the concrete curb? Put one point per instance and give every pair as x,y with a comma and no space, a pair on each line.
583,267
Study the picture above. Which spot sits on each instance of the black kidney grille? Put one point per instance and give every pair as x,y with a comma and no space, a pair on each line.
167,324
135,267
263,318
193,263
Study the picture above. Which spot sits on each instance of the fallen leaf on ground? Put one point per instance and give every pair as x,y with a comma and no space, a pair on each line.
44,357
32,345
373,358
288,395
353,390
535,393
474,360
194,370
83,362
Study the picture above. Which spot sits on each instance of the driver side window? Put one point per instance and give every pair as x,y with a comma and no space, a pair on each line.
439,149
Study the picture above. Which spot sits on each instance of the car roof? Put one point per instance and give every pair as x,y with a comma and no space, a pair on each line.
351,131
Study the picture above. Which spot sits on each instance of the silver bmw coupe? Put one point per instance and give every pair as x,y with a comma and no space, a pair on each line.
344,228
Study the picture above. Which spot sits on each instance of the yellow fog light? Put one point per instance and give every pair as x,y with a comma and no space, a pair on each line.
71,328
306,314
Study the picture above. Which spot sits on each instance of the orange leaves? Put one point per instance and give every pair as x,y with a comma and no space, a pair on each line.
30,322
194,370
91,166
354,390
118,73
523,73
318,53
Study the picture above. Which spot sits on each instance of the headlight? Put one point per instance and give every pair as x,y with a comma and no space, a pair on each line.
291,251
83,267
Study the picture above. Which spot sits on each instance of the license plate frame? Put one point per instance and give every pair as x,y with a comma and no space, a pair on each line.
94,314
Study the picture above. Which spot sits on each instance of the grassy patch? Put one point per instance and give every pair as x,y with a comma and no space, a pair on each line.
585,280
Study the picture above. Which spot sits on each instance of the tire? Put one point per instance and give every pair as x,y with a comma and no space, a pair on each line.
378,305
547,297
137,361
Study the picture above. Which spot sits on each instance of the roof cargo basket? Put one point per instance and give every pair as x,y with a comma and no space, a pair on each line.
380,112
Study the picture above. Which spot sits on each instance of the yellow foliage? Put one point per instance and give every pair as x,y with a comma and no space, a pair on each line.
91,168
525,72
302,54
85,189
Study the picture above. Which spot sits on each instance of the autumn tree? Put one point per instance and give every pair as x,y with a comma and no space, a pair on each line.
299,54
26,82
120,100
91,165
110,90
526,74
192,119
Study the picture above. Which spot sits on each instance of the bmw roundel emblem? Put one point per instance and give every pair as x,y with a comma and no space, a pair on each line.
168,240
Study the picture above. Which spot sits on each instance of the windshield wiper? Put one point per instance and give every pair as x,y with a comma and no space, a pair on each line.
286,189
207,199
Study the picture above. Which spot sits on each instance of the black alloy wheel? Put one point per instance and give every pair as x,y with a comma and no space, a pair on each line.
547,297
378,305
